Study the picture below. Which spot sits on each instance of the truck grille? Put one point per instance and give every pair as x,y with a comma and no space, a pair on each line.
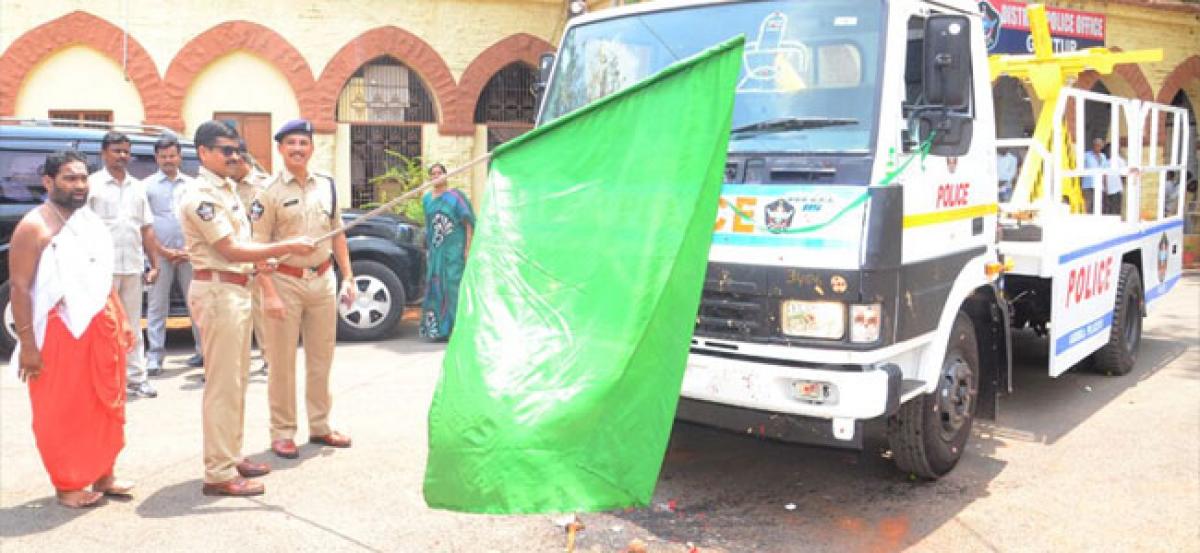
735,315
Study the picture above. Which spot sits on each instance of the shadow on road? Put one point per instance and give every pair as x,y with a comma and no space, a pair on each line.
185,499
306,450
741,493
39,515
1043,409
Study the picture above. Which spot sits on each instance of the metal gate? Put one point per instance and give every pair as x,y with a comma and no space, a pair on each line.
369,147
507,104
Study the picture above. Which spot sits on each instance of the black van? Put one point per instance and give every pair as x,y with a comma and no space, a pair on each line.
24,145
388,254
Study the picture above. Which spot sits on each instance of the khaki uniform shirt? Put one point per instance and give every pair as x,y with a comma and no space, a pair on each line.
209,211
249,187
125,210
289,208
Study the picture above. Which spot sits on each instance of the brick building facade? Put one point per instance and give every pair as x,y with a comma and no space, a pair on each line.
426,78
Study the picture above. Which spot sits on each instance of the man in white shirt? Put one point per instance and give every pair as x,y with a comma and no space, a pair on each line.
1113,187
1093,159
163,190
120,201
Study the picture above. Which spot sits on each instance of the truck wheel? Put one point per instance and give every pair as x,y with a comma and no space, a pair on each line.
379,305
8,336
1119,355
929,433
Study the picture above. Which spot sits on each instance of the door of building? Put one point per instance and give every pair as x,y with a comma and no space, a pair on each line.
255,128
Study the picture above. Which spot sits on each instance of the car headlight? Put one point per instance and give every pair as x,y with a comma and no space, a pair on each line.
407,234
864,322
813,319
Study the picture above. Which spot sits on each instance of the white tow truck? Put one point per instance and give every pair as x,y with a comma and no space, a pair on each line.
862,265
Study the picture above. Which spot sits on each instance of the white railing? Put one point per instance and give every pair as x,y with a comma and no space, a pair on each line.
1149,163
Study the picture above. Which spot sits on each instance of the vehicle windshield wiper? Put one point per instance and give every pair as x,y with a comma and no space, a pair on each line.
784,124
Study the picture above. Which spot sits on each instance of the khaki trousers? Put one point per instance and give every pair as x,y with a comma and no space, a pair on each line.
311,314
256,316
222,313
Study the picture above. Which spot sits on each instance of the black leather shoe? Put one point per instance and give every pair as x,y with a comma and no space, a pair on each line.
195,361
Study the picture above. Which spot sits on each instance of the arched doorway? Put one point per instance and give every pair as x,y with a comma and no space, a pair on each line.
1189,185
507,104
1013,108
1181,100
1097,117
111,97
386,104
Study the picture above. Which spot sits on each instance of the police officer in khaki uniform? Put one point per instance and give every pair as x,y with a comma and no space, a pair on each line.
250,181
301,299
217,236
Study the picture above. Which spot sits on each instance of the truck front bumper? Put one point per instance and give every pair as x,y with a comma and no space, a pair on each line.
856,395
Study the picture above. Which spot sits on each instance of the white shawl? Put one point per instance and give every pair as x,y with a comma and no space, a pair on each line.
74,274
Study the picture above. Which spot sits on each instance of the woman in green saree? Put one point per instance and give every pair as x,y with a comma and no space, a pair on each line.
449,223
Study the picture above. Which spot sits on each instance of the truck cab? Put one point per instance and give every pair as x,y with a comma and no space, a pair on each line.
855,272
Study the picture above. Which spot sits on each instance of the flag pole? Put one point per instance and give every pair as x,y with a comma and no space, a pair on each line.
405,196
392,202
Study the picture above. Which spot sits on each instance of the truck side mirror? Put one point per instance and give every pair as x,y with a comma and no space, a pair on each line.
947,61
945,112
953,130
545,66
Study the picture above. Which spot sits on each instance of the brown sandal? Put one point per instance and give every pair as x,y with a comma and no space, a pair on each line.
110,486
78,499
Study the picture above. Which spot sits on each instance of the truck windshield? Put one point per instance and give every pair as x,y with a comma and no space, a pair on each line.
809,75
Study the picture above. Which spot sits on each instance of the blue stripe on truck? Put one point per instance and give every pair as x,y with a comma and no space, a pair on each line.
1161,290
1070,256
1077,335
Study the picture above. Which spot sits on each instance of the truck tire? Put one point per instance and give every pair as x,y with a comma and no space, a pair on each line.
1119,355
8,335
929,433
379,305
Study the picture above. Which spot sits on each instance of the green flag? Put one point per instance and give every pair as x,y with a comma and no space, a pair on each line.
576,311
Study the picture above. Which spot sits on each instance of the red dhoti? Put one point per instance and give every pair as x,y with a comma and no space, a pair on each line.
79,397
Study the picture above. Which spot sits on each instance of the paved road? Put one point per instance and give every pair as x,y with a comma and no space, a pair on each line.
1083,462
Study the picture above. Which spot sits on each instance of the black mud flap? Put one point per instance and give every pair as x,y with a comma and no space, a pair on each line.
987,306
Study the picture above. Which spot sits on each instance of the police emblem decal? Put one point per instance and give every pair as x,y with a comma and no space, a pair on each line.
838,283
778,214
205,211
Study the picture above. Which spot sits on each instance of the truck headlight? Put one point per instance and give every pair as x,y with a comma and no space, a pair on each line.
813,319
864,322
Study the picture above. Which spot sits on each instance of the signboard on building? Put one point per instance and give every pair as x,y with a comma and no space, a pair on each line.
1006,28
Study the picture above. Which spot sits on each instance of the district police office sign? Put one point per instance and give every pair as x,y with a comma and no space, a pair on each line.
1006,26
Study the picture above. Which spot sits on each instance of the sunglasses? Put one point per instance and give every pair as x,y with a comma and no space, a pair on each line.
226,151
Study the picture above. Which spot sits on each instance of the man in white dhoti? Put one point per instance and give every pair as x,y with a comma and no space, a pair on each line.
72,335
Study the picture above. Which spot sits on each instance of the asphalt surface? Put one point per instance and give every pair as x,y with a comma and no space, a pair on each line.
1080,463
